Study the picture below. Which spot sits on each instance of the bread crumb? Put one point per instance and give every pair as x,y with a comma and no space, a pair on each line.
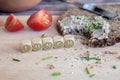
51,66
91,66
110,52
81,56
87,53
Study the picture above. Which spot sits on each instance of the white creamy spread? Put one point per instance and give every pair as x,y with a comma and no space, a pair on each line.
96,26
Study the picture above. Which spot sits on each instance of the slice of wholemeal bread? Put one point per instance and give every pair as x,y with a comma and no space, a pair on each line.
113,35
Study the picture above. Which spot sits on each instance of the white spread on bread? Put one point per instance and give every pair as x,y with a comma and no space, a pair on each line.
96,26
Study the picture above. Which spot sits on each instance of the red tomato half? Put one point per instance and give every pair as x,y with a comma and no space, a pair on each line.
13,24
40,20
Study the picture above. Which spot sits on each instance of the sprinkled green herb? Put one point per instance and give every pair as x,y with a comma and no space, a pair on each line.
93,58
88,58
14,59
48,58
86,18
87,70
78,18
91,25
92,75
114,67
56,74
97,25
89,73
43,36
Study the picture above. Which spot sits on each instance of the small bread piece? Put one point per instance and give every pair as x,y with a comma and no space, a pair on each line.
69,41
112,36
26,46
47,43
58,42
36,44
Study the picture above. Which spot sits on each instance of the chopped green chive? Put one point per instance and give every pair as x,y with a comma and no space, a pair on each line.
14,59
87,70
92,75
56,74
47,58
91,25
88,58
93,58
114,67
86,19
78,18
97,25
43,36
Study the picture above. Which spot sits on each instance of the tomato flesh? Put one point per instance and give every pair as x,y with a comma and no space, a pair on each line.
40,20
12,24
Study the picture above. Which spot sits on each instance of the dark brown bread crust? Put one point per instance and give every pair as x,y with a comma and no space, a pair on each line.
114,35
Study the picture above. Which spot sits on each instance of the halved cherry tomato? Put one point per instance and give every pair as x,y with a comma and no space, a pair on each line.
12,24
40,20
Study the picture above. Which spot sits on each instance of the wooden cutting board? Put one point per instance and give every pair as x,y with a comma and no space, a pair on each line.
67,61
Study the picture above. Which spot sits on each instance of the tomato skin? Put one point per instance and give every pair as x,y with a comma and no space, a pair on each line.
12,24
40,20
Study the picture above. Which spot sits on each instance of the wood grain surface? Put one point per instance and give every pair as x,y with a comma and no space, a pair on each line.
70,62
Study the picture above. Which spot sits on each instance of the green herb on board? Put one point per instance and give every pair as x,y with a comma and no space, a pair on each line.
87,70
14,59
48,58
56,74
88,58
92,75
43,36
114,67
